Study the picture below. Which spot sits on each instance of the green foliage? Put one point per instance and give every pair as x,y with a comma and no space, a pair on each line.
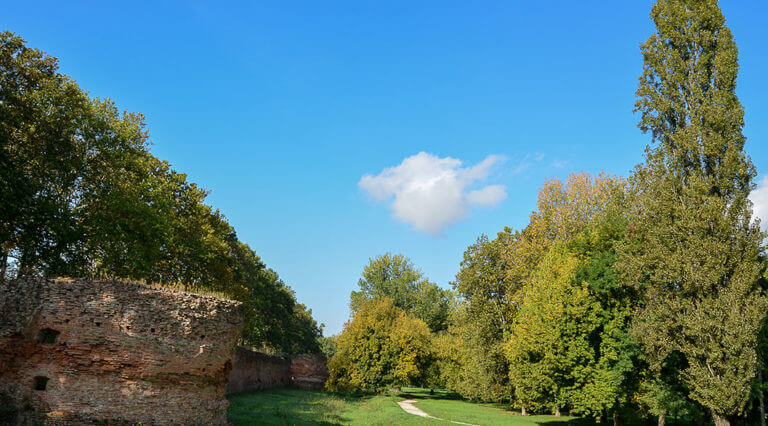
82,196
483,281
663,392
569,344
379,348
472,360
327,346
613,382
498,275
396,277
616,295
549,350
692,251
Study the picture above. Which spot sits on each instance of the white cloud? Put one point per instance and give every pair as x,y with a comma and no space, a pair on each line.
431,193
488,196
759,199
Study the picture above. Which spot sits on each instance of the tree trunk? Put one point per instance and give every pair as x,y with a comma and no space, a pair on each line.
20,270
760,396
617,419
557,410
662,419
720,421
522,410
3,266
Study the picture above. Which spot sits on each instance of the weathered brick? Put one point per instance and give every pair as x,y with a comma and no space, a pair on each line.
123,353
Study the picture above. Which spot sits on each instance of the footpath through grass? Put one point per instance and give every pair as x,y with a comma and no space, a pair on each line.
297,407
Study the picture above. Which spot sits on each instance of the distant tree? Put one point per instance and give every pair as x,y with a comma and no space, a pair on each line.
279,324
484,283
472,359
563,210
692,250
549,350
396,277
380,347
613,382
327,346
303,331
494,273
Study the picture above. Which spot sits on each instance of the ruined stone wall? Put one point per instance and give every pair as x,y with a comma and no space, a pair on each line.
254,371
104,351
309,371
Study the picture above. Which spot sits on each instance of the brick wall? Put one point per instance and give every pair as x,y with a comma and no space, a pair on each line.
87,351
309,371
254,371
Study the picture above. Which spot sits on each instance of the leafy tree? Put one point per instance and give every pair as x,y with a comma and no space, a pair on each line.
759,387
549,298
83,196
277,323
472,359
40,157
125,204
613,383
570,345
663,393
379,348
692,250
327,346
549,350
494,273
563,210
483,281
396,277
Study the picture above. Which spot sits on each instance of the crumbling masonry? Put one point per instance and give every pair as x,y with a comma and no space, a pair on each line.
103,351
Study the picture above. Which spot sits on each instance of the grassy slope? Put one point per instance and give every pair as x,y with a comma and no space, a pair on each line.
293,406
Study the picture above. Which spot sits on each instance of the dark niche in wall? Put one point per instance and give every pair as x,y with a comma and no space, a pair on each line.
41,382
47,335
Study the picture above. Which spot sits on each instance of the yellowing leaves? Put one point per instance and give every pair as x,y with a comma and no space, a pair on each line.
380,347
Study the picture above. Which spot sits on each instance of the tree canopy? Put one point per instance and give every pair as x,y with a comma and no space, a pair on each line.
379,348
82,195
693,251
396,277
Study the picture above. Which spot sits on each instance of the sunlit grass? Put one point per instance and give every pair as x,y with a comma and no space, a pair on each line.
293,406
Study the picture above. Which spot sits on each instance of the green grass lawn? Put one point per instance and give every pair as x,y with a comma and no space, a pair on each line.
293,406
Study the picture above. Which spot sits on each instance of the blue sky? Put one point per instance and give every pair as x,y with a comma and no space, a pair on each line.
280,108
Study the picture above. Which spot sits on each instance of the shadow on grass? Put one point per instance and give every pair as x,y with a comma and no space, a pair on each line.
420,393
571,422
630,419
291,406
436,394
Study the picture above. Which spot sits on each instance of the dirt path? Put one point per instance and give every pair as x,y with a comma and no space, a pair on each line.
408,407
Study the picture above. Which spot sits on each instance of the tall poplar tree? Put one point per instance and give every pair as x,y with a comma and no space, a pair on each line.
692,249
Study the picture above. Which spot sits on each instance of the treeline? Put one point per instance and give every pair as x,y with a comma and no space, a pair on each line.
622,297
396,314
82,196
